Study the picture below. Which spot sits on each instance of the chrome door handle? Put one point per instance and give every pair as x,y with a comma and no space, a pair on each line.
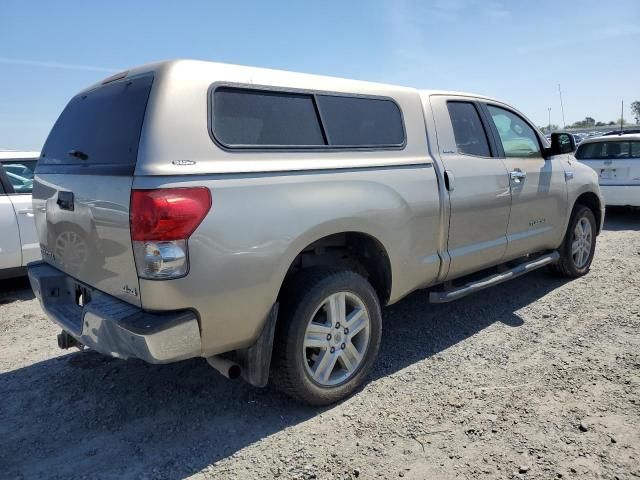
517,176
26,211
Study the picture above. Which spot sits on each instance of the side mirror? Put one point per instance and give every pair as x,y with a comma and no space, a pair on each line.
561,143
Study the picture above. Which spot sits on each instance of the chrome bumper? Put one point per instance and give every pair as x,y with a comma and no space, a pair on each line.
111,326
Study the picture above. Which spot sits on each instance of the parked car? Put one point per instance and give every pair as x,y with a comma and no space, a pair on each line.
577,138
616,160
19,240
261,218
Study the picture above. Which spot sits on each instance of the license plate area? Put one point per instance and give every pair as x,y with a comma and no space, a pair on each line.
608,173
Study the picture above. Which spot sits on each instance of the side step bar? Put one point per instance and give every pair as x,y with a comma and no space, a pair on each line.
476,286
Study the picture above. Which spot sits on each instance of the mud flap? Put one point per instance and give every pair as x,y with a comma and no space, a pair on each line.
256,359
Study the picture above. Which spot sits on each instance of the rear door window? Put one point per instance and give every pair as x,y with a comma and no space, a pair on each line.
471,138
19,173
100,127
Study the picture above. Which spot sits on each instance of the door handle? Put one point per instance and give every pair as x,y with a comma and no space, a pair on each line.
26,211
517,176
449,180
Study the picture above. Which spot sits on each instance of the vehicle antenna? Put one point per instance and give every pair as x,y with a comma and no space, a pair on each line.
622,118
564,125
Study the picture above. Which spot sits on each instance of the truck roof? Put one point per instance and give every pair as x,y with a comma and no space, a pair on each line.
207,67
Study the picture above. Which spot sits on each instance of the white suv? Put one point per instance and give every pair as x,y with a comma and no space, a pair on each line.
616,159
18,239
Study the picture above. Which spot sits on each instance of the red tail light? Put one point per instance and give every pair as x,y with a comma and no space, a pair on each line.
167,214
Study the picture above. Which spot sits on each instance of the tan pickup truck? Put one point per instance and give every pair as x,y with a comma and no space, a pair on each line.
261,219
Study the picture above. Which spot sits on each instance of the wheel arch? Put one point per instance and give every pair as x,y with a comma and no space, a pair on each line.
591,201
354,250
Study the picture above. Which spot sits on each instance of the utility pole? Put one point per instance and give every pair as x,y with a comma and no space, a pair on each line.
622,116
549,127
564,125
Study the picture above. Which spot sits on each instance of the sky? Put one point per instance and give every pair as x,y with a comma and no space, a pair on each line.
517,51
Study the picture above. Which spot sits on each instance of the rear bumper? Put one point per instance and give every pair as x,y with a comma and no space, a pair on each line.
621,195
111,326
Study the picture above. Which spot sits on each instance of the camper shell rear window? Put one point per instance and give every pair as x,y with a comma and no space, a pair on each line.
261,118
101,126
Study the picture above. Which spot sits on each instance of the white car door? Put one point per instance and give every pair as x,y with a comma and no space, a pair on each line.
19,175
10,254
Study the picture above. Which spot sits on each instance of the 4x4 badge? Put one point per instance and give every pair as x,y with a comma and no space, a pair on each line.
131,291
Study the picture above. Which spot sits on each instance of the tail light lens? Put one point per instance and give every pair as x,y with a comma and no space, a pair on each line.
161,222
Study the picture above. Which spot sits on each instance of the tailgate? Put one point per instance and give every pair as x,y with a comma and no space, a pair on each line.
82,188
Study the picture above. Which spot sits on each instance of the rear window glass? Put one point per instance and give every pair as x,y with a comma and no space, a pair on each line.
101,126
245,117
260,118
20,174
471,139
608,150
356,121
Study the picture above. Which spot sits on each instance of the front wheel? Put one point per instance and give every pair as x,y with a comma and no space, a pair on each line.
328,335
579,244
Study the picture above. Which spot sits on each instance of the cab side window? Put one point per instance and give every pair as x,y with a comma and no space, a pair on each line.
517,137
471,138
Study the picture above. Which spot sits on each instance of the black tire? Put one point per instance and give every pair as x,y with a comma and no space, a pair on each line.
567,266
303,294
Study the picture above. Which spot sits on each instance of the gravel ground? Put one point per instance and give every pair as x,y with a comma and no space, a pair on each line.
537,378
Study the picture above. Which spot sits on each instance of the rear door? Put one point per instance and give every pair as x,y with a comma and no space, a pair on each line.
19,174
538,185
478,185
82,187
10,255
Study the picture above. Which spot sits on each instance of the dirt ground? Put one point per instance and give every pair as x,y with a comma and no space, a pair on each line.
537,378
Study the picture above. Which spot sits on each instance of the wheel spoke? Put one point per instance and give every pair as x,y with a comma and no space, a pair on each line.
577,232
357,321
316,335
575,247
337,308
325,366
350,357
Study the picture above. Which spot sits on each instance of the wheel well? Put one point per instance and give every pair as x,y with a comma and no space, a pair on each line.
591,200
355,251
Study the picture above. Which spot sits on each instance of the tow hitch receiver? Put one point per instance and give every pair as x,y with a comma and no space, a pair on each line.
66,341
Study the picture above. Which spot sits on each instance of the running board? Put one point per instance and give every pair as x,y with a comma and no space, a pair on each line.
476,286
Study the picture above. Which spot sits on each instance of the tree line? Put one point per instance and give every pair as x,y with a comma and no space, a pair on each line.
590,122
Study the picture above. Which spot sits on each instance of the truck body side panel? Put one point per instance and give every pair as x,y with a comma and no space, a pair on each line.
259,223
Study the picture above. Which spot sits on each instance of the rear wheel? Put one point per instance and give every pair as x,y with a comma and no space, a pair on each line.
579,245
328,335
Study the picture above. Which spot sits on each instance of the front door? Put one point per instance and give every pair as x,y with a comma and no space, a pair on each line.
538,185
478,185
